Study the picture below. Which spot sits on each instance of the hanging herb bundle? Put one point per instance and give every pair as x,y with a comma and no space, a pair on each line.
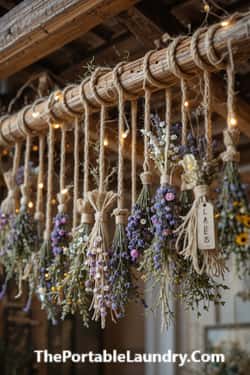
196,234
21,239
45,294
233,206
139,228
76,297
156,263
97,257
121,284
60,235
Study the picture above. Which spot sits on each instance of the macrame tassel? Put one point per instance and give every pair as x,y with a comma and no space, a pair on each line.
209,261
76,296
233,206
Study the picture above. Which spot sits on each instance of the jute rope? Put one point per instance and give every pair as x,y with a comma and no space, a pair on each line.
51,150
120,213
232,133
24,128
76,170
63,194
134,110
103,103
39,215
83,205
3,139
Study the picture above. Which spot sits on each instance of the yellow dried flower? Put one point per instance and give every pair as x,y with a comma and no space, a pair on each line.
246,221
242,239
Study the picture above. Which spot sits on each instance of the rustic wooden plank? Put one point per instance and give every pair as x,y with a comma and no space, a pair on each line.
133,75
34,29
145,30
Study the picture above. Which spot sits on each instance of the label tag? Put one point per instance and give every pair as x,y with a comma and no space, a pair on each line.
206,227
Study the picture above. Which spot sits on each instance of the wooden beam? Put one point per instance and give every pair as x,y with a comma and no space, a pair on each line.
32,30
7,4
132,76
145,30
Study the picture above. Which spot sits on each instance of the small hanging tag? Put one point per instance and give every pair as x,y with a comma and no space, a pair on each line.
206,227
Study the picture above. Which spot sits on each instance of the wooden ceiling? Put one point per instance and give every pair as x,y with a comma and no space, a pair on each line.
126,35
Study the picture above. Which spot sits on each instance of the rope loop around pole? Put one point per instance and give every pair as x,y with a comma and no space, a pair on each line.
212,55
23,127
93,83
3,139
66,107
118,84
33,107
51,114
173,64
149,79
194,50
83,97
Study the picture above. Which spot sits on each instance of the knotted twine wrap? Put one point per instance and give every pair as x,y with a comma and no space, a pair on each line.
102,201
208,261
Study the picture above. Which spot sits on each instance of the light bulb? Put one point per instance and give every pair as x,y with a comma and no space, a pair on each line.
40,185
224,23
35,114
30,204
56,126
64,191
35,148
186,104
106,142
5,152
53,201
58,96
232,121
206,7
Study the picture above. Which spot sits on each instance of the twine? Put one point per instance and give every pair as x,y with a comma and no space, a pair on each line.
212,55
62,197
51,150
230,85
103,103
208,114
134,110
173,64
26,131
76,171
66,107
3,139
83,205
39,216
195,53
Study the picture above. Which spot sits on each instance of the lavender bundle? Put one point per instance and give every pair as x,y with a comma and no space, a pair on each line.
233,208
76,298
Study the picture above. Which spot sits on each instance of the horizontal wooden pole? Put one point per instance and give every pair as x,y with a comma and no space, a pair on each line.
132,76
34,29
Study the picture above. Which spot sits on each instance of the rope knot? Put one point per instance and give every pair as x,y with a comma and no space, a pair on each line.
146,178
86,211
231,139
201,191
164,179
100,217
39,216
121,215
